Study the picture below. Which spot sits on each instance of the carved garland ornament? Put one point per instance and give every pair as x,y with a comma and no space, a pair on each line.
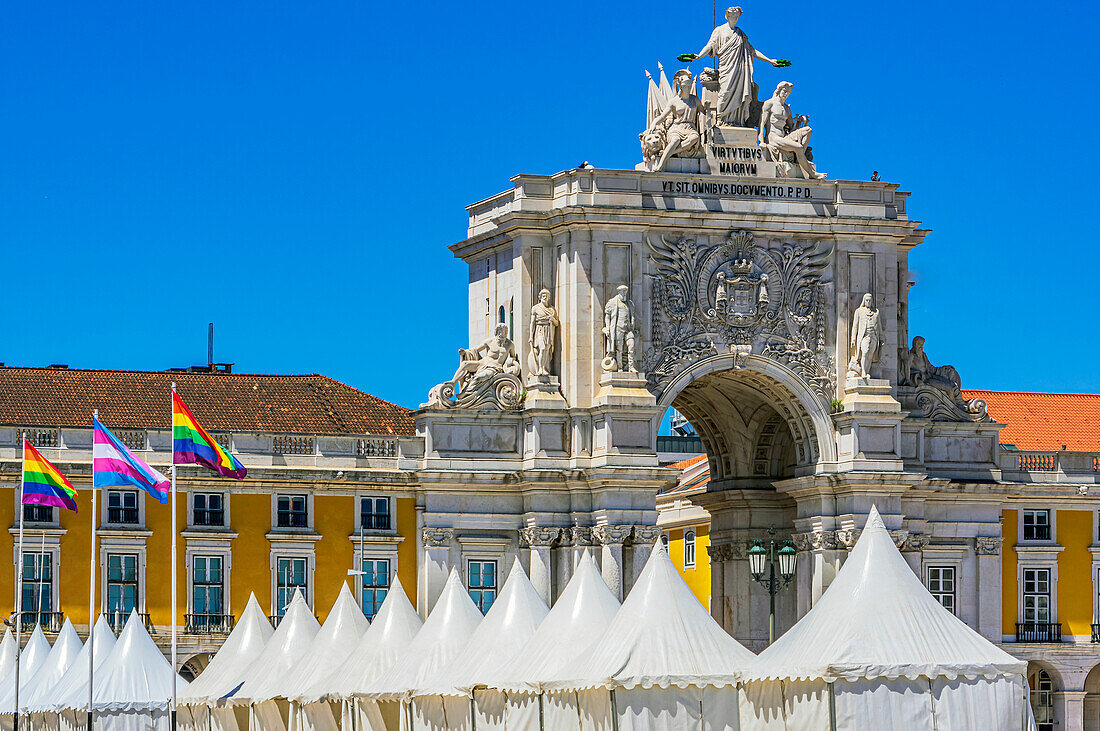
738,297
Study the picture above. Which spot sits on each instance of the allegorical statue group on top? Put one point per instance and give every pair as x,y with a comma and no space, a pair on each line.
682,120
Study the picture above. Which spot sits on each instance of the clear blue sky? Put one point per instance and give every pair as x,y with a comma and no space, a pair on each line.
295,171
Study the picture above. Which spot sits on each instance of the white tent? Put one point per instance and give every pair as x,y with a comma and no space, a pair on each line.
878,651
442,701
133,688
281,656
8,653
64,653
582,614
344,626
444,634
663,663
74,684
31,660
384,643
225,673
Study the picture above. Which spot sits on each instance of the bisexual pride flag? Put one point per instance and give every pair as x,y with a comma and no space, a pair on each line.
113,465
43,484
192,445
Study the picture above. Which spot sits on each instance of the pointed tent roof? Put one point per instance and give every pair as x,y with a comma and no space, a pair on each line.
8,653
65,651
343,628
444,634
508,625
660,637
226,671
876,620
31,660
582,613
281,655
136,676
384,643
74,684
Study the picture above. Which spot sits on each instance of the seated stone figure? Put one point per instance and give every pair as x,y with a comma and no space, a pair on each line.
677,126
478,365
785,136
922,372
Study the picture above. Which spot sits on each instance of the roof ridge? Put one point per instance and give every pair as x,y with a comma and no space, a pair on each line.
1030,393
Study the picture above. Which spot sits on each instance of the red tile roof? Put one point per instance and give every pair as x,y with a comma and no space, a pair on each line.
311,404
684,464
1045,421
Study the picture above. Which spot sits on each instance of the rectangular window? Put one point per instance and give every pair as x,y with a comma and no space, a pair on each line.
1037,596
291,512
33,513
37,588
208,509
483,583
941,584
376,582
374,513
290,577
122,583
207,591
1036,525
689,549
122,507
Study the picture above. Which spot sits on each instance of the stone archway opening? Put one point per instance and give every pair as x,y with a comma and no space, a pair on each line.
1043,683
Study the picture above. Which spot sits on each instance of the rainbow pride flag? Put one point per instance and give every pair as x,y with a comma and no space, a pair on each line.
114,465
192,445
43,484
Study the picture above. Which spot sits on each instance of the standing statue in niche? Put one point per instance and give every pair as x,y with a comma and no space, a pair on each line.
867,339
783,136
735,56
544,325
677,126
619,329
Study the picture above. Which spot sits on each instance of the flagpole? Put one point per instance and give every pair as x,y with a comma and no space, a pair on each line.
91,585
19,584
175,578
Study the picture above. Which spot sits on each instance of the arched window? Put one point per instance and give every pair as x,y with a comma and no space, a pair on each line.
501,311
664,540
689,549
1042,700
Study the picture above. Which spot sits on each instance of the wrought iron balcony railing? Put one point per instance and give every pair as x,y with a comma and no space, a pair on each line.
209,624
1040,632
50,621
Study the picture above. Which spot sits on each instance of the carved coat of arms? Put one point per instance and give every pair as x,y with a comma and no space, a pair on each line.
737,296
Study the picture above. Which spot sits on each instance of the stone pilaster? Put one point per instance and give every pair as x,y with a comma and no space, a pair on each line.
539,542
645,536
611,538
987,550
437,565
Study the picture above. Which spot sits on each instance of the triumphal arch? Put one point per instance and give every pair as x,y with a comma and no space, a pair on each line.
728,277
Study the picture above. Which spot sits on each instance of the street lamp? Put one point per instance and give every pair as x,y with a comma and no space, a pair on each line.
763,560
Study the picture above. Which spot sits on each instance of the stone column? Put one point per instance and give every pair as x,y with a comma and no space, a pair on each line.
718,555
820,555
539,542
1069,709
987,551
611,538
437,565
641,548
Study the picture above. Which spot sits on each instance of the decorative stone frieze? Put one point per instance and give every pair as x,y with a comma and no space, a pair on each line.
916,542
437,537
538,537
727,551
607,535
988,545
820,540
646,534
847,537
899,537
580,536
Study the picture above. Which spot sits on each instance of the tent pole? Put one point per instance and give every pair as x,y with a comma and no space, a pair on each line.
615,713
542,714
832,708
473,711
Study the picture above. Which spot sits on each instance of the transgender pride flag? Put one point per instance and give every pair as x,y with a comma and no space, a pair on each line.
113,465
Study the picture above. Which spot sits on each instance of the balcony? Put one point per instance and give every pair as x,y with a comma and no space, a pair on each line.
118,621
209,624
374,521
50,621
122,516
1041,631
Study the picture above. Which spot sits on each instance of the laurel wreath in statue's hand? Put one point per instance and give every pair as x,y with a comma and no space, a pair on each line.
781,63
686,57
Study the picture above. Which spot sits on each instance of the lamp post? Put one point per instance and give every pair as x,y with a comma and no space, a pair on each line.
764,559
